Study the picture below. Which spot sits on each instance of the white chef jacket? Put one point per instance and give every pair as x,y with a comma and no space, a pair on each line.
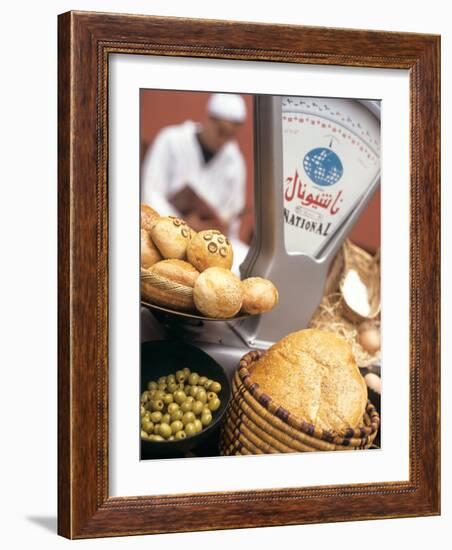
175,160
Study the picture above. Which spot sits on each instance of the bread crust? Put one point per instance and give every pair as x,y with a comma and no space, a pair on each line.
210,248
259,295
177,271
218,293
169,283
148,216
314,375
171,236
148,251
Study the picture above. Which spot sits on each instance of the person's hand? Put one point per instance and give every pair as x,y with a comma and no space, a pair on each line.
200,224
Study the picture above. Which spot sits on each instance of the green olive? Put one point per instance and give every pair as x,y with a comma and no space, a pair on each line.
152,385
156,429
211,395
170,378
147,426
162,380
144,397
197,408
179,396
172,407
215,387
158,394
156,438
202,380
166,418
168,398
142,410
162,387
176,415
171,438
176,426
151,394
187,405
193,391
206,418
180,434
157,405
198,425
214,404
156,416
201,395
172,387
208,383
190,429
165,430
187,389
144,435
193,379
146,415
186,371
188,417
180,376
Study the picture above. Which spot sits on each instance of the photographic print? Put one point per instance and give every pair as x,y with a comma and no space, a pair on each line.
260,274
239,297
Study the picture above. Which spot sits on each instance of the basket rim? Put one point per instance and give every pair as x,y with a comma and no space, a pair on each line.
343,437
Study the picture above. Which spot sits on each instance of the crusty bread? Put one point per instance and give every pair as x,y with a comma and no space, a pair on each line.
148,217
259,295
210,248
169,283
149,252
218,293
171,236
176,271
313,374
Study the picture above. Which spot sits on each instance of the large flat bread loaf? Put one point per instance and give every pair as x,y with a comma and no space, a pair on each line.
313,374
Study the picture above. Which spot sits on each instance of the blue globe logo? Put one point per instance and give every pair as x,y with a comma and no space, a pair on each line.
323,166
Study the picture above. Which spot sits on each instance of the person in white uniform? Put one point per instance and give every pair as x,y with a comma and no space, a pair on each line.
197,172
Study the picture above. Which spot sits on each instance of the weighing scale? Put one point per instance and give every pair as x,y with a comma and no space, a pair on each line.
317,165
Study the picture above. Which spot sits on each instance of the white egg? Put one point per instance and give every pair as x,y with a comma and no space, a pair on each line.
373,382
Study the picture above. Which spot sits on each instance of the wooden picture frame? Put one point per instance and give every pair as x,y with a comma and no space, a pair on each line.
85,42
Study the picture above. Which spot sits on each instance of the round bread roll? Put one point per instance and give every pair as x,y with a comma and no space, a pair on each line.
218,293
259,295
210,248
148,217
171,236
169,283
313,374
149,253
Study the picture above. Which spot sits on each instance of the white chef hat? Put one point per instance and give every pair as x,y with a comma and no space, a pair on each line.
227,106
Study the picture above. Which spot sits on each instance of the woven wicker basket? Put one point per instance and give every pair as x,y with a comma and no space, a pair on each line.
163,292
254,424
368,268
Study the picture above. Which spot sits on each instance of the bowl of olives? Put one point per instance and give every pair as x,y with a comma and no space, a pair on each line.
184,394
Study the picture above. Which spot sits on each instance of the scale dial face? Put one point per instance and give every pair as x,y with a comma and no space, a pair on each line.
331,155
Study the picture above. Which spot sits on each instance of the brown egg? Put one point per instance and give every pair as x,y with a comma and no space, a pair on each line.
369,338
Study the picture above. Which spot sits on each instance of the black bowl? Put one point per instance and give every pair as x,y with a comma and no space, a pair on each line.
163,357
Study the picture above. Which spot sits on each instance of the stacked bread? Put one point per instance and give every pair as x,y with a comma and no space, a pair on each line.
190,271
